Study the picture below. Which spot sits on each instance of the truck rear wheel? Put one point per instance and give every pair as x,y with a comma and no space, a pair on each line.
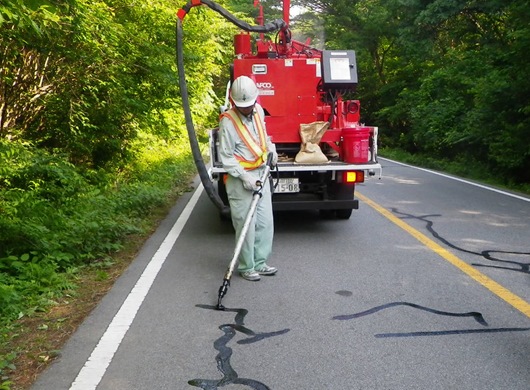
326,214
344,213
344,192
221,190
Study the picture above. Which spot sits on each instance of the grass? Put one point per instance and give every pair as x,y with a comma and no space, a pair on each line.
472,170
36,340
85,241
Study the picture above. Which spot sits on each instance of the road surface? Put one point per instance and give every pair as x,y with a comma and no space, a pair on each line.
427,286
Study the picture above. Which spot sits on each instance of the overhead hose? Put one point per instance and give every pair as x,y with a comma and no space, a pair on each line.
268,27
194,144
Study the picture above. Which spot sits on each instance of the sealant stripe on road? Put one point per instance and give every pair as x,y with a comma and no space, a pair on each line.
101,357
502,292
461,180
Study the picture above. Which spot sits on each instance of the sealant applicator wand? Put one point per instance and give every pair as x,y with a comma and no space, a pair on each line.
248,219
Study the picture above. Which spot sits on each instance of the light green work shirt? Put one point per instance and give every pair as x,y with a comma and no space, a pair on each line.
230,144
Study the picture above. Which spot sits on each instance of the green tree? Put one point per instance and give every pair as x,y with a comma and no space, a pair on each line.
83,77
441,78
91,122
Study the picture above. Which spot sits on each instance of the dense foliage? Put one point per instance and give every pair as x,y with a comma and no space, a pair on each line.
445,79
92,133
88,87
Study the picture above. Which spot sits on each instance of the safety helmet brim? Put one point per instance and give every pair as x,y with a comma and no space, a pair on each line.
244,92
248,103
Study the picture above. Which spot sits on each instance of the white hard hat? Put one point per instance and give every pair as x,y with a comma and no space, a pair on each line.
244,92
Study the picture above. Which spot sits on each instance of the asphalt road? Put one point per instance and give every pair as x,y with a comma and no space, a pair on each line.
427,286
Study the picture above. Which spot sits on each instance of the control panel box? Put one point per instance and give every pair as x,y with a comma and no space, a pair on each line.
339,70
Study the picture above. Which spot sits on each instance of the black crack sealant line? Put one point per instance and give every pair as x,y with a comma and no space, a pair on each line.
490,255
230,376
486,254
476,316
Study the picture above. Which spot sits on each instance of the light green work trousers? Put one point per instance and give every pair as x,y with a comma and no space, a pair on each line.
257,245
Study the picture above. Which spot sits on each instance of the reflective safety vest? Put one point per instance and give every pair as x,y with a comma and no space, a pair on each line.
259,152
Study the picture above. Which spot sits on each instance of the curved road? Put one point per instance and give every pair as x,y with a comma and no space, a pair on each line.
427,286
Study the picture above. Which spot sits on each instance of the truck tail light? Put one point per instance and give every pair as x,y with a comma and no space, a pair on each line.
353,107
353,177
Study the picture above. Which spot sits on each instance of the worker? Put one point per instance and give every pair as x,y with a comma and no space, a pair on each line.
244,146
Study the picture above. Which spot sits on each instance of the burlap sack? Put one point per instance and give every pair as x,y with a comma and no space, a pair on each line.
310,152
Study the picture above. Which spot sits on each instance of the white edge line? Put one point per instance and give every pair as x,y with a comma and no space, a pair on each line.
460,180
95,367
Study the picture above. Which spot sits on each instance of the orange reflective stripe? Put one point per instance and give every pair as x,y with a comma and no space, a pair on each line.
250,165
249,140
261,132
246,136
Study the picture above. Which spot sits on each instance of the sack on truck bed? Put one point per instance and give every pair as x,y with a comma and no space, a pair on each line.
310,152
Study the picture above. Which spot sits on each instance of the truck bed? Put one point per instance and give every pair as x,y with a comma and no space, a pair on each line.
331,166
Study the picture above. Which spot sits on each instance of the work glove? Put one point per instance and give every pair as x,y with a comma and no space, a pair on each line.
274,160
249,182
272,149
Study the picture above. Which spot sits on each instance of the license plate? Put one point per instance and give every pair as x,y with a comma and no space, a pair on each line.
288,185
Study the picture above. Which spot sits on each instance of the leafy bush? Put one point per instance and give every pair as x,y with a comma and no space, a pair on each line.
55,216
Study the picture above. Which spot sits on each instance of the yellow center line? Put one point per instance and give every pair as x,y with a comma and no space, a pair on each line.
502,292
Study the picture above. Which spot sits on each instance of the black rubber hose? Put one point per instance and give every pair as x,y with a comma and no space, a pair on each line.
268,27
194,144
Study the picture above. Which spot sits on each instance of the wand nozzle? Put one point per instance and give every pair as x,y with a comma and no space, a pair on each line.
222,292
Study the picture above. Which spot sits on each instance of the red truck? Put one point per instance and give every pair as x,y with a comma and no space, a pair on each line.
324,148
